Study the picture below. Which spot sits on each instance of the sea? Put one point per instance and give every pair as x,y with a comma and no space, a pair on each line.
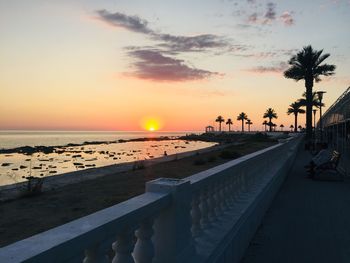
15,167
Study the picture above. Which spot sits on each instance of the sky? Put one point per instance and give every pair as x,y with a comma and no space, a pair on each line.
119,65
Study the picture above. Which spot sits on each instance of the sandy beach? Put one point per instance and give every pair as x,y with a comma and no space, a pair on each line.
24,217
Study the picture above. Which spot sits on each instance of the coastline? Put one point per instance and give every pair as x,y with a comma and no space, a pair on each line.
13,191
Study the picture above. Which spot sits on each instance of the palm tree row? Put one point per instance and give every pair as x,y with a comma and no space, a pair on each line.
241,117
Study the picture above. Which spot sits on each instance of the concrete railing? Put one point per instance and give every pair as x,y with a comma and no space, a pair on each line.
208,217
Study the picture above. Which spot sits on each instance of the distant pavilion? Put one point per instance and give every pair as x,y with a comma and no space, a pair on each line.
209,129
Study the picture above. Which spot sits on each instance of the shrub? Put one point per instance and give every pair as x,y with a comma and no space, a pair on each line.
33,187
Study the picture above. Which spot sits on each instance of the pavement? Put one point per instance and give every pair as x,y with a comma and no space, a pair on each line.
308,221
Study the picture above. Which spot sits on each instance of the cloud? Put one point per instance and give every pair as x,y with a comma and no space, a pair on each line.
172,42
287,19
153,65
132,23
270,16
271,11
253,18
278,68
191,43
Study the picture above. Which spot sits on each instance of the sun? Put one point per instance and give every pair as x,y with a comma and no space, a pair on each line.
151,124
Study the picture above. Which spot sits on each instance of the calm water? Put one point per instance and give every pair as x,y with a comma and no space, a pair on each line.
67,159
12,139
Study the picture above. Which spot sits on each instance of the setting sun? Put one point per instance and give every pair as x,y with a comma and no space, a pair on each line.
151,124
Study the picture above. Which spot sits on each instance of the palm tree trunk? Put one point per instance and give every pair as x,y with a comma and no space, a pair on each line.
270,124
220,126
309,85
242,125
229,127
295,122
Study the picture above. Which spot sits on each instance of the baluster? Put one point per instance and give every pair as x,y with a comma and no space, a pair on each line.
196,215
123,248
217,198
204,207
211,202
224,205
228,192
95,254
144,248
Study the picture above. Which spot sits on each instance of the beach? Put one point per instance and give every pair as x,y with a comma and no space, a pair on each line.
24,217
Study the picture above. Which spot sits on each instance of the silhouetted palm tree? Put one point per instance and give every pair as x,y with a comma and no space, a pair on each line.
220,119
295,108
265,123
229,123
274,125
242,117
315,101
291,128
249,122
281,126
271,114
306,65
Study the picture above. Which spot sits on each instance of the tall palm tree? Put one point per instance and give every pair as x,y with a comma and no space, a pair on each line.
220,119
242,117
265,123
295,108
249,122
307,65
281,126
270,114
229,123
291,127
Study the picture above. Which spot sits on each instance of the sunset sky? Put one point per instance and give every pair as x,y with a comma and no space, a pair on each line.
114,65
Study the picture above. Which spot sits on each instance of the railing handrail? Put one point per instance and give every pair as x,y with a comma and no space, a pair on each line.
200,178
86,230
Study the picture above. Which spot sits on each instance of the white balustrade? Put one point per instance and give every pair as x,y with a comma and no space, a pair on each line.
203,218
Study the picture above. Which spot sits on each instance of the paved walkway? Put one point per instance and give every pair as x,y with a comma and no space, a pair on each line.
309,221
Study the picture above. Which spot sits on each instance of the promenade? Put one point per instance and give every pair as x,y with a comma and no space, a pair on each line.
308,221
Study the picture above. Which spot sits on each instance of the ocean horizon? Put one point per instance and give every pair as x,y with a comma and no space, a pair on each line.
17,138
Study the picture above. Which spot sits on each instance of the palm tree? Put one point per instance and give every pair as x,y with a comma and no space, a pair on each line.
249,122
315,100
300,127
307,65
265,123
274,125
291,127
271,114
295,108
281,126
219,119
242,117
229,123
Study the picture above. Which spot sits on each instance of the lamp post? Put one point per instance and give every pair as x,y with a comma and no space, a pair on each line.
320,97
314,111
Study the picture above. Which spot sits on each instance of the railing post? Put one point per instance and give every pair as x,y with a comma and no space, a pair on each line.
173,240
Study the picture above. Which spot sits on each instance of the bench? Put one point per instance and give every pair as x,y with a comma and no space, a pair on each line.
329,167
